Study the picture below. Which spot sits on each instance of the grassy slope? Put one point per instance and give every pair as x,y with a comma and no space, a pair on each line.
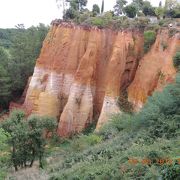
152,134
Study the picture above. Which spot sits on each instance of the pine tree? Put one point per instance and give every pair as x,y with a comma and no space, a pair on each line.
102,7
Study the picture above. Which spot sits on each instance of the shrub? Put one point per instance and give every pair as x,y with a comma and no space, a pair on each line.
130,11
124,104
176,59
100,21
152,27
26,137
171,172
164,45
149,39
172,32
117,124
4,155
93,139
84,141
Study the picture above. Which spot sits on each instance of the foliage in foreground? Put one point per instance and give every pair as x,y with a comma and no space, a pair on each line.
143,146
4,155
27,137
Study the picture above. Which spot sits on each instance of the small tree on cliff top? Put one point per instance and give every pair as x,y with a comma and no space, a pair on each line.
118,8
95,10
102,7
130,10
26,137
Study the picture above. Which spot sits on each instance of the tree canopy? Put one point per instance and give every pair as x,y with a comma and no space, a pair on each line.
19,49
95,10
118,8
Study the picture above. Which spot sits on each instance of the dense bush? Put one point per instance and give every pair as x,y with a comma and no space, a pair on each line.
130,11
26,137
124,104
4,155
149,39
100,21
176,59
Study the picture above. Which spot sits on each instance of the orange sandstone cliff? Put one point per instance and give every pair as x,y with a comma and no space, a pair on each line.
82,71
155,69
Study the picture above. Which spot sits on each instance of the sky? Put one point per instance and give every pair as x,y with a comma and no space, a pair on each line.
33,12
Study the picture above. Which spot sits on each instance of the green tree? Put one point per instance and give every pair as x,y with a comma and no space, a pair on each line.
76,7
5,81
170,4
160,4
26,137
172,10
4,156
95,10
77,4
159,11
102,7
5,87
130,11
118,8
24,52
149,39
139,4
19,49
148,10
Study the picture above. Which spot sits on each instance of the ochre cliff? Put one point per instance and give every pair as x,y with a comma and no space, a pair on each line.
155,69
82,71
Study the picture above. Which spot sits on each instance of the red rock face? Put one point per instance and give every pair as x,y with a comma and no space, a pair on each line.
155,69
81,72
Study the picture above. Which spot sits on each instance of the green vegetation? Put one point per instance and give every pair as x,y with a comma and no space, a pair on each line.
124,104
148,10
130,11
5,79
95,10
102,7
101,21
78,12
76,8
172,8
130,146
119,7
177,59
19,49
143,145
4,155
149,39
26,137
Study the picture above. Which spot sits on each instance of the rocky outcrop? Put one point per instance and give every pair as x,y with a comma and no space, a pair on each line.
82,71
155,69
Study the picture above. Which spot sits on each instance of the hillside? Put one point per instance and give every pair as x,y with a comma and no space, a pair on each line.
115,95
139,146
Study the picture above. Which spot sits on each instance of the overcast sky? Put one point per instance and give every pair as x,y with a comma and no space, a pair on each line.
32,12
